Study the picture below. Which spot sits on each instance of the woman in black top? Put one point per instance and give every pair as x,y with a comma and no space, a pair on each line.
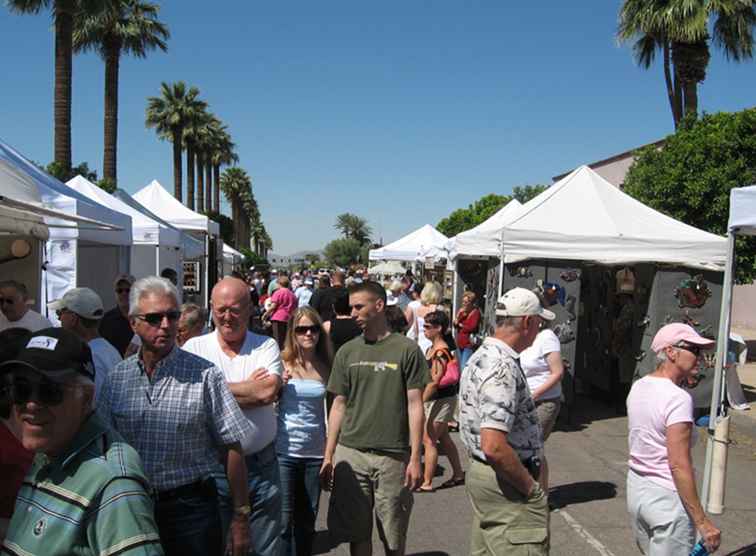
341,328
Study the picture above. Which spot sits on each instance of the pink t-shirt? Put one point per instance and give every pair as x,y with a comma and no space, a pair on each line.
653,405
286,303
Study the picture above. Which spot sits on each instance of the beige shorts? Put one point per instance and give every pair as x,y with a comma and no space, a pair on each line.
441,410
363,482
504,520
548,411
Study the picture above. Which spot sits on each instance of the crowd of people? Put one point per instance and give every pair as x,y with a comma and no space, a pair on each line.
161,428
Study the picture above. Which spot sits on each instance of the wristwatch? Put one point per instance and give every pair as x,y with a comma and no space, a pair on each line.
243,511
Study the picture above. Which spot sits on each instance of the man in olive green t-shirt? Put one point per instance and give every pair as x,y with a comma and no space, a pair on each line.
372,457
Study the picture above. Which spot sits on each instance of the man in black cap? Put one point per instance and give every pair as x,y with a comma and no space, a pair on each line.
85,492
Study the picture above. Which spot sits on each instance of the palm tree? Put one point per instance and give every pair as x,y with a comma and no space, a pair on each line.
203,136
63,13
122,27
169,114
354,227
234,183
223,154
680,30
191,137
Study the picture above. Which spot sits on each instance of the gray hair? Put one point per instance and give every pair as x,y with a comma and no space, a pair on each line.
147,286
509,322
18,286
661,357
194,314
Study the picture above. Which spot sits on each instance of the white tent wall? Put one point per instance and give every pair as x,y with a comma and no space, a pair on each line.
28,270
97,267
144,261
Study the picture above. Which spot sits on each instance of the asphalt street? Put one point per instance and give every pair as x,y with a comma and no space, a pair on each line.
587,456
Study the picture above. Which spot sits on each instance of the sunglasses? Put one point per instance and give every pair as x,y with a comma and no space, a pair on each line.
695,350
156,319
123,290
302,330
6,301
46,392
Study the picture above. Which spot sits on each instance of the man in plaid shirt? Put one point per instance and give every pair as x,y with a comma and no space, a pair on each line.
176,410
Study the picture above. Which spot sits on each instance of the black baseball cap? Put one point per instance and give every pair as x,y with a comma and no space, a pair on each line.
55,353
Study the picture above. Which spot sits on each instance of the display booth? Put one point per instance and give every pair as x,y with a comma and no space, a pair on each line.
423,243
614,271
201,273
90,253
156,246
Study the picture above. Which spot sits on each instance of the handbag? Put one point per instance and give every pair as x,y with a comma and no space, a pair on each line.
451,373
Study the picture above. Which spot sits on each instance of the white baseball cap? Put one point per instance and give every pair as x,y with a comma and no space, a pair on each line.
82,301
521,302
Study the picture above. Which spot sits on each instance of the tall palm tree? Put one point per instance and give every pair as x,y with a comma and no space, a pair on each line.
234,183
169,114
223,154
680,30
191,137
203,137
63,13
122,27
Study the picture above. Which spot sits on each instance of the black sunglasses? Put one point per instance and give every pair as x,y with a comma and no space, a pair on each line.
22,390
695,350
156,319
302,330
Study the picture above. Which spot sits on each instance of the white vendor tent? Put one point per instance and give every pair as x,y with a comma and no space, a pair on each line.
232,259
156,246
80,255
423,242
484,240
584,217
742,221
387,268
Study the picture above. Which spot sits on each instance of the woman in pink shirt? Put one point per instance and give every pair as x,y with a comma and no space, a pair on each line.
283,303
661,487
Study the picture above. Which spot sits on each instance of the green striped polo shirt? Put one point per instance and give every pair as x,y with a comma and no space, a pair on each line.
91,500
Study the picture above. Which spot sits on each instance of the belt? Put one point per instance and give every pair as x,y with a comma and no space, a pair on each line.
201,488
533,465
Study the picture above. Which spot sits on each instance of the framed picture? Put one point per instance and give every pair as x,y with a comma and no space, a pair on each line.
192,276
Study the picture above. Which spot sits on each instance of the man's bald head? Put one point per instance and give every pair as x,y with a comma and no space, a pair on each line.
230,287
231,309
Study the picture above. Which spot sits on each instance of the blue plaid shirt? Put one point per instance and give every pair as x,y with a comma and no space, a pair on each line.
179,420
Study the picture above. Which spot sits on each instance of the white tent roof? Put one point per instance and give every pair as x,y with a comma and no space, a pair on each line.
584,217
423,242
193,248
155,198
387,267
484,239
231,254
743,210
30,190
145,229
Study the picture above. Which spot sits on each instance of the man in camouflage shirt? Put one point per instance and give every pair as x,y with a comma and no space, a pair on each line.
499,427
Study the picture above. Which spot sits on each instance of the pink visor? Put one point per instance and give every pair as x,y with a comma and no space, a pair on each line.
677,332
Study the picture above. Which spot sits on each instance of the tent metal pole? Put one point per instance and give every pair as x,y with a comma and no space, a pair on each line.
717,393
455,285
501,265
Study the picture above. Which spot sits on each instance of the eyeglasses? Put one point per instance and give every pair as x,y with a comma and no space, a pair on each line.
695,350
233,311
430,325
7,301
46,392
156,319
61,312
312,329
123,290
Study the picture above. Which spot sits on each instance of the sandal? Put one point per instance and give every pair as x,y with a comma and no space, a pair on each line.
425,489
454,481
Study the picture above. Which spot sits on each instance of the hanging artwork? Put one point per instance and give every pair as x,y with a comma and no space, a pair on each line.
693,292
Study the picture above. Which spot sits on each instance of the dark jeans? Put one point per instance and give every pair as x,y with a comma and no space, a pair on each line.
189,525
300,493
265,499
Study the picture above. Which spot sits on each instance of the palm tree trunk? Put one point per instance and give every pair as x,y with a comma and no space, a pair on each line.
63,78
208,184
671,92
216,188
110,140
690,91
177,163
235,218
190,175
200,183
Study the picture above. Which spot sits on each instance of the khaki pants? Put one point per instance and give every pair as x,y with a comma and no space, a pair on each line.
505,521
367,481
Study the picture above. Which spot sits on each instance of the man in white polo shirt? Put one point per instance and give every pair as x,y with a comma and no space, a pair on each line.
252,366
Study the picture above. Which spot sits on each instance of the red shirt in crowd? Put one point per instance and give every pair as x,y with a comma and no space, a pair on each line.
466,325
15,461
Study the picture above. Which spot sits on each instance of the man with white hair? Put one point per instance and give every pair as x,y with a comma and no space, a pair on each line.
499,426
14,308
86,492
252,366
80,311
176,410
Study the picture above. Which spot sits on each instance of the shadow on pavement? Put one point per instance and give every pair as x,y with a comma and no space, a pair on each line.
432,553
586,409
749,392
561,496
749,550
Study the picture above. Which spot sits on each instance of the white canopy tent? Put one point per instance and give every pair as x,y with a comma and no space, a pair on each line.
484,240
156,246
742,221
584,217
423,242
387,268
232,259
155,198
85,254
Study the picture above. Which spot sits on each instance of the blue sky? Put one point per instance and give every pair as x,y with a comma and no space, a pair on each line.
397,111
